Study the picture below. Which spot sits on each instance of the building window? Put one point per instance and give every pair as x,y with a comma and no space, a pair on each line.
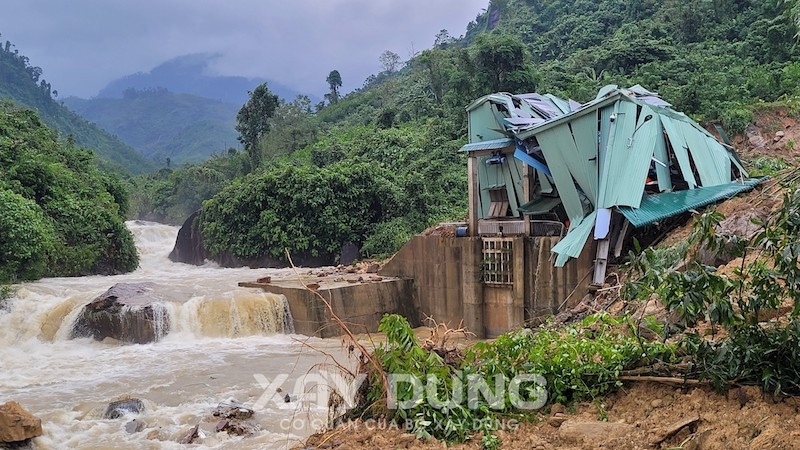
498,261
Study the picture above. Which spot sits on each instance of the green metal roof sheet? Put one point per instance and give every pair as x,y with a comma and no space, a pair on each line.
540,205
660,206
494,144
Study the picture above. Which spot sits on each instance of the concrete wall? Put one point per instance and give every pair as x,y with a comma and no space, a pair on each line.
448,287
361,306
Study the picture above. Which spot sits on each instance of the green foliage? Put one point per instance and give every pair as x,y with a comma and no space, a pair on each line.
170,196
334,81
253,120
305,210
28,238
6,292
766,166
61,215
579,362
751,352
501,64
736,118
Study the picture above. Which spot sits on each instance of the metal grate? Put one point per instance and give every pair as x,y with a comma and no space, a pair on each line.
498,261
500,227
547,228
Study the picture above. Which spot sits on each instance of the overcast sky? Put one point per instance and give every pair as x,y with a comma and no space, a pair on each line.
81,45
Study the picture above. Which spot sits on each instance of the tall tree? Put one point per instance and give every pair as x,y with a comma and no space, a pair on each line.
389,60
253,120
335,82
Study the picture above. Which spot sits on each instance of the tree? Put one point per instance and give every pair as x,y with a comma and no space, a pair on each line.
253,120
335,82
502,64
389,60
443,39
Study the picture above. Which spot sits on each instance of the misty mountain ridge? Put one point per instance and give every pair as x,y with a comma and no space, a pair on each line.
189,74
164,125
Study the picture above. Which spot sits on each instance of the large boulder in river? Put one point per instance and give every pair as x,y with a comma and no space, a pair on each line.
128,312
189,246
17,424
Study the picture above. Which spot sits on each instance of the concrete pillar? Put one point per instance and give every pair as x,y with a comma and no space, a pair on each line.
472,288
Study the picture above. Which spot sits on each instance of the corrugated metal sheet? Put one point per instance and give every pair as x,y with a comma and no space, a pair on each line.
540,205
494,144
658,207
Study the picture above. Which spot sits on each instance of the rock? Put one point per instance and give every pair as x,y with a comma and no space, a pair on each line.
189,246
349,254
127,312
659,435
234,419
233,411
738,224
754,137
556,420
557,408
575,430
134,426
153,435
119,408
190,435
373,268
237,427
657,403
778,136
17,424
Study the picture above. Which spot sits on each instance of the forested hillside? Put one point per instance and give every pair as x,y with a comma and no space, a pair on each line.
59,214
23,83
164,127
715,60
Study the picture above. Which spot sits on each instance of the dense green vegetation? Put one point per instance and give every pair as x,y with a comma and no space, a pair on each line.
581,362
166,128
59,215
713,60
22,83
752,350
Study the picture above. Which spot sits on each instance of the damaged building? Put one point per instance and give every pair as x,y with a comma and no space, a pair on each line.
623,160
554,189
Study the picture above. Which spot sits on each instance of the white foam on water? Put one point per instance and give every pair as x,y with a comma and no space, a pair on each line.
220,338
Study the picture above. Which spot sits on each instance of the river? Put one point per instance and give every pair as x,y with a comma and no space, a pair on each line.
226,344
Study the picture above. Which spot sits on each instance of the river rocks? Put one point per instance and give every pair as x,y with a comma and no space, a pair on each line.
127,312
17,424
190,435
189,246
233,420
119,408
134,426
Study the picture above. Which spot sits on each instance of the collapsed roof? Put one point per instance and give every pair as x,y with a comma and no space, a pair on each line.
627,150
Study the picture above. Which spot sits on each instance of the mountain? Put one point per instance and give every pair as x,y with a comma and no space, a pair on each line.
22,83
189,74
164,125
